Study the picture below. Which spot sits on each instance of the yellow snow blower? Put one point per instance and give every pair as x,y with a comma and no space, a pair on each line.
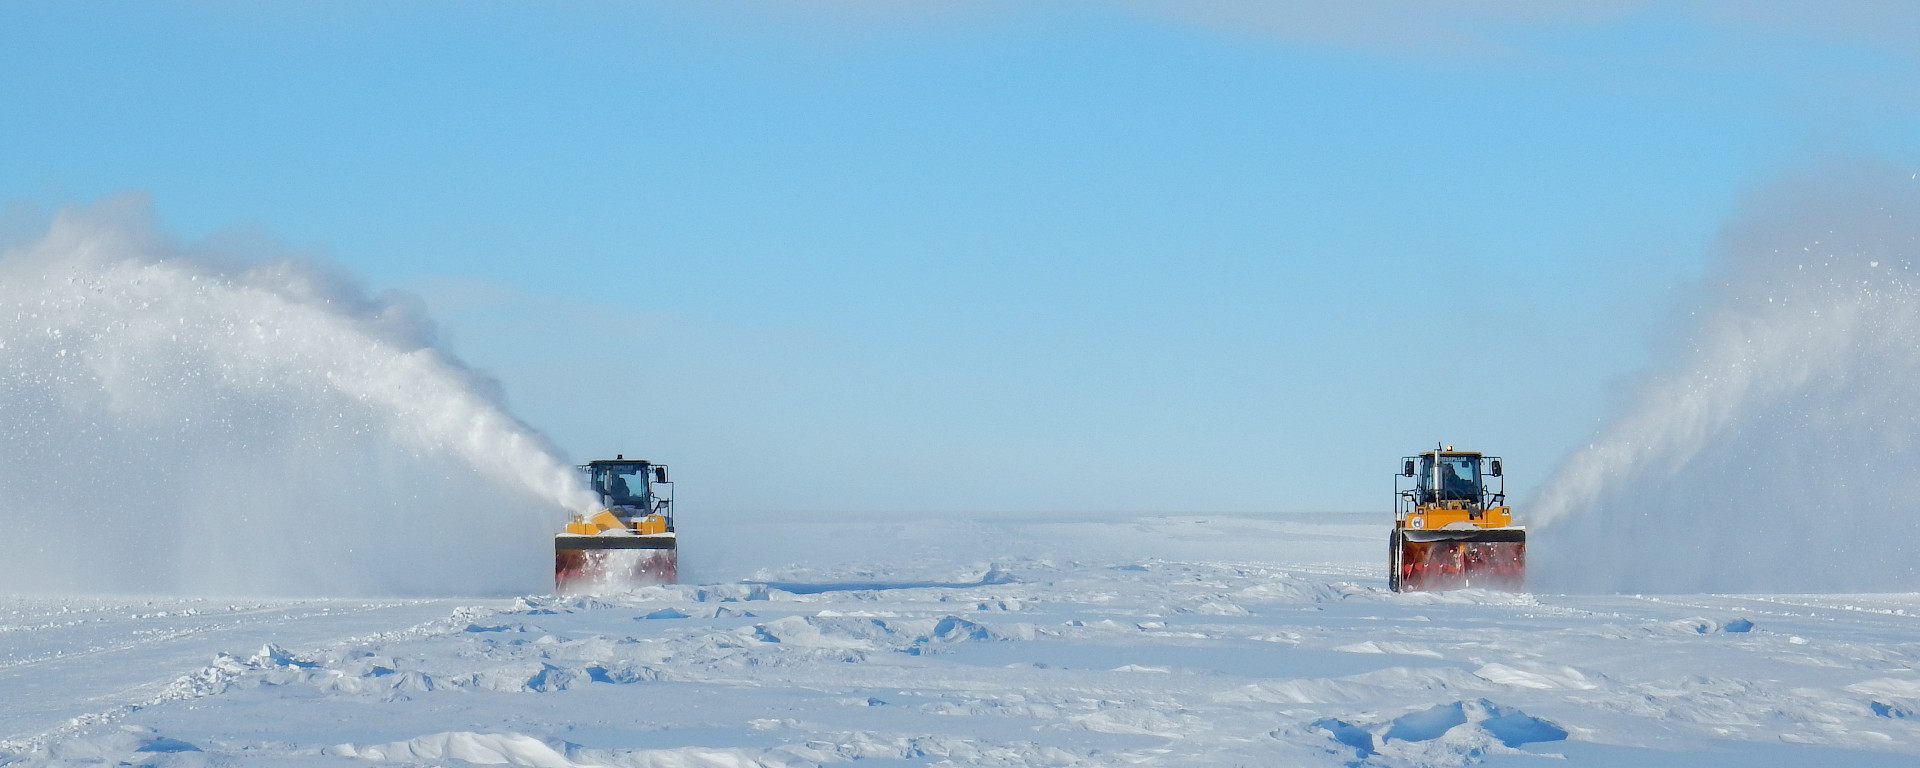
630,542
1450,530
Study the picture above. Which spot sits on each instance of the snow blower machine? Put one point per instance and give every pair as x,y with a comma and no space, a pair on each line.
630,542
1450,530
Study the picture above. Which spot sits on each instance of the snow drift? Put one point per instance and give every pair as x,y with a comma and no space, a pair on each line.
192,419
1776,448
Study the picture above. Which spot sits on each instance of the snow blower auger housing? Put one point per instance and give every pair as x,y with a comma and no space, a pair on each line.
1450,529
630,542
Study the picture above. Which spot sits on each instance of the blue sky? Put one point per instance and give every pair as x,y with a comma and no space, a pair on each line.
868,257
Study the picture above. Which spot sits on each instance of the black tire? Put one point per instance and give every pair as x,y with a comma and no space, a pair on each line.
1393,561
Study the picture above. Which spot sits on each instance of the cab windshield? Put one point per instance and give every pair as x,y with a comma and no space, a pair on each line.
1459,478
619,485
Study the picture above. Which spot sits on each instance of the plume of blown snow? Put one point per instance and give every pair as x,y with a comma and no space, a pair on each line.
181,420
1776,448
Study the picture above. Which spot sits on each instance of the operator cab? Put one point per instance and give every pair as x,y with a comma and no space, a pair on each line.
1457,478
631,488
1447,476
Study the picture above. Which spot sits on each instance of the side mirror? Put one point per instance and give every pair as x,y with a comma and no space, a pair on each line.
660,474
1495,469
1406,468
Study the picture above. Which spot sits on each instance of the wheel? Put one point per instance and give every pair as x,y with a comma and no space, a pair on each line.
1393,561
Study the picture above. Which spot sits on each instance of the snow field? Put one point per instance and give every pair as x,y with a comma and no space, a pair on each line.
1029,659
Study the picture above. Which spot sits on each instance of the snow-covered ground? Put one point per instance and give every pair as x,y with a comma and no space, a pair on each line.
1172,641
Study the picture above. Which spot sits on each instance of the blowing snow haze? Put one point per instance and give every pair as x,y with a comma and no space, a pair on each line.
1775,451
185,420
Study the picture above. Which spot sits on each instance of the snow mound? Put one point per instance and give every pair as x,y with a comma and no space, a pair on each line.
1900,688
122,745
1536,675
1443,733
912,636
1378,647
465,746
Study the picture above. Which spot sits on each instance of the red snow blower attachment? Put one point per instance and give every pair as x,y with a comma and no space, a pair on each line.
630,542
1450,530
